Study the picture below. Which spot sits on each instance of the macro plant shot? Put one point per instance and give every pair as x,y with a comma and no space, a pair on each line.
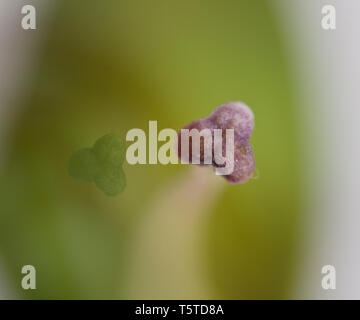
179,150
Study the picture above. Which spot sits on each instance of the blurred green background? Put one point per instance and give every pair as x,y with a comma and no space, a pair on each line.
110,66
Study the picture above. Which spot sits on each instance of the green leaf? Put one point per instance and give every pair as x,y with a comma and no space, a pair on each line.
101,164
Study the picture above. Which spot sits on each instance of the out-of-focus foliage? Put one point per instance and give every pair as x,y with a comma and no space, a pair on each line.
109,66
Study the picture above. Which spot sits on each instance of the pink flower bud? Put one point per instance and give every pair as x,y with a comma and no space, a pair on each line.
239,159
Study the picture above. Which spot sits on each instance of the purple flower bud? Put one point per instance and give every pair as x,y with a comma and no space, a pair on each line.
231,115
